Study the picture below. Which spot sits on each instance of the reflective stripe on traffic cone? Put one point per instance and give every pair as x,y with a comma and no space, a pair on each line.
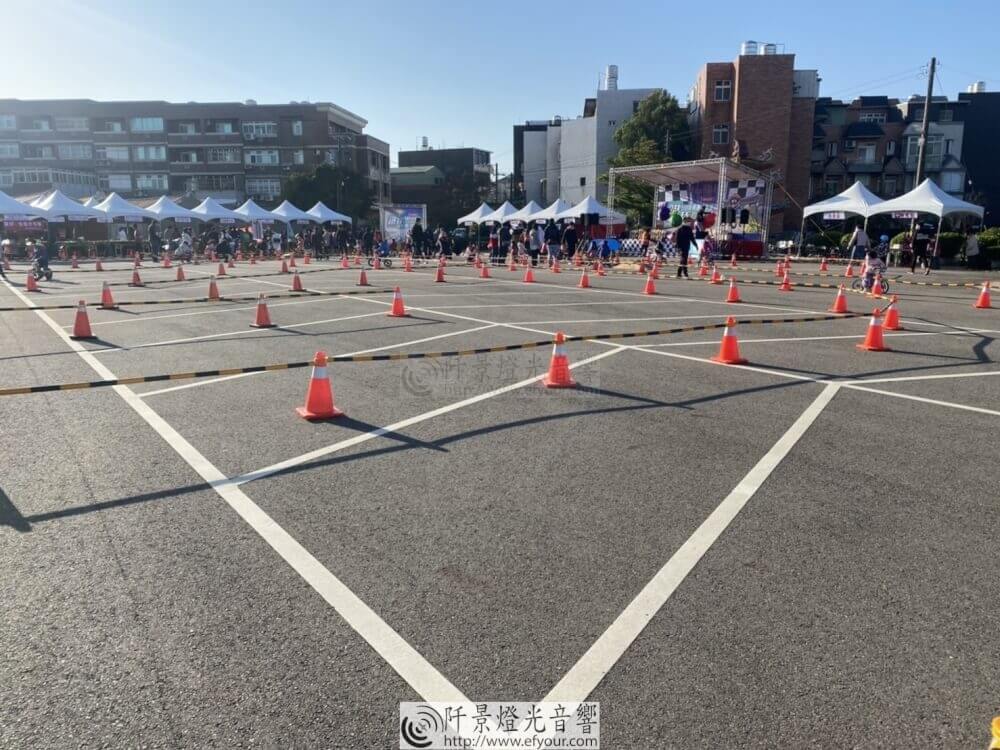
840,303
650,287
729,350
222,270
213,289
297,283
345,263
107,301
873,339
284,266
779,270
136,281
786,283
263,319
398,310
892,316
484,271
734,292
584,279
558,375
319,397
849,271
81,326
716,276
876,290
180,274
823,266
439,275
983,303
529,276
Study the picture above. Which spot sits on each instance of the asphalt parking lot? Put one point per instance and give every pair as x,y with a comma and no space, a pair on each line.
798,552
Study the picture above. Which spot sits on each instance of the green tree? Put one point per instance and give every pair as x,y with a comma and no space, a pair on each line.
655,134
341,190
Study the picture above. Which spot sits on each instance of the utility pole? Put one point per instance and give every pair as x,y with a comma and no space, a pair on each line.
921,153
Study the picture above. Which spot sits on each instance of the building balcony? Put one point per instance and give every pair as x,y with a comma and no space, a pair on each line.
930,162
209,138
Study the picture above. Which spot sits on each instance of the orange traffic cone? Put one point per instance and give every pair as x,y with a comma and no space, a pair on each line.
213,289
823,266
297,283
650,287
873,339
284,266
222,270
577,260
840,303
306,259
31,285
81,326
529,276
398,310
376,263
484,272
291,261
363,279
253,260
732,262
983,303
319,397
849,271
654,271
558,375
892,316
136,281
107,301
439,275
98,266
779,270
357,259
734,292
512,265
600,269
555,266
180,274
703,269
786,283
166,261
729,350
239,257
74,263
876,290
716,276
584,279
407,264
345,263
263,319
232,263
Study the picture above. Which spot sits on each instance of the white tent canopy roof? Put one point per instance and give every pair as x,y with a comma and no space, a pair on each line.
477,216
526,213
210,209
164,208
320,212
56,205
857,199
92,201
250,211
928,198
289,213
557,207
591,205
501,215
117,207
11,207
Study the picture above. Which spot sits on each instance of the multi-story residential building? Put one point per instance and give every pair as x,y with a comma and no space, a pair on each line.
454,187
568,158
759,108
225,150
459,165
979,149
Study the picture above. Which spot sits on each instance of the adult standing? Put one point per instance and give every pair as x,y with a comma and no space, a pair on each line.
569,239
552,239
921,240
535,239
417,238
859,244
973,256
500,252
683,239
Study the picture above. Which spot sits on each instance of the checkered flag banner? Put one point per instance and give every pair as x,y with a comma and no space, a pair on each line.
744,189
676,193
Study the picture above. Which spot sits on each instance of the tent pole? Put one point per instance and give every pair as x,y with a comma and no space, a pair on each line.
802,235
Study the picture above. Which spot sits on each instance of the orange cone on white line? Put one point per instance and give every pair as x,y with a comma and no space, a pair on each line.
407,264
840,303
297,283
213,289
512,265
284,266
81,326
849,271
558,375
319,398
873,339
107,301
734,292
716,275
398,309
484,271
892,316
983,302
729,350
702,269
600,269
263,319
555,265
291,261
376,263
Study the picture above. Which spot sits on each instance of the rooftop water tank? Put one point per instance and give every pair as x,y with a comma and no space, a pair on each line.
748,47
611,78
979,87
767,49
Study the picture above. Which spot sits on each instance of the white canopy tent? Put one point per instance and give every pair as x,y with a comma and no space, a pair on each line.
116,207
57,206
322,214
589,206
557,207
164,208
92,201
289,213
478,216
928,198
525,214
10,207
857,199
501,215
250,212
210,209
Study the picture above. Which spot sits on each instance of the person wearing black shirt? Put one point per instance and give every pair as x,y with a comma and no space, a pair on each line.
417,238
552,239
683,239
569,239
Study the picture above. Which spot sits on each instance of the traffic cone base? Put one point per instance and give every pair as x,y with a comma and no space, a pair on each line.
180,274
345,263
823,265
786,284
484,271
263,319
213,289
284,266
729,349
716,276
222,270
873,339
558,375
983,302
81,325
136,280
319,398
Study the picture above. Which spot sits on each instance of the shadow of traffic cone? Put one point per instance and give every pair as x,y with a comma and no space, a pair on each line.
319,397
584,279
180,274
222,270
529,276
650,287
734,292
213,289
484,271
823,266
983,303
873,339
716,276
558,375
786,283
107,301
74,263
345,263
892,316
840,303
31,285
297,283
291,261
849,271
363,279
439,274
263,319
729,350
136,280
81,326
732,261
398,310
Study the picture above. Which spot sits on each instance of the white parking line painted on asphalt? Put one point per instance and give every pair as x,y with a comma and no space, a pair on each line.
387,643
365,437
922,399
588,672
924,377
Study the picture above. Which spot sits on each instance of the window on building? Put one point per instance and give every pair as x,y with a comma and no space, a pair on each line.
889,185
112,153
849,144
267,187
296,127
187,157
187,128
110,126
935,146
872,116
949,144
151,182
72,123
831,148
75,151
946,115
8,122
39,123
9,151
299,157
953,182
253,130
215,182
229,155
890,148
223,128
6,179
720,135
146,124
612,123
917,113
31,176
150,153
260,157
120,182
583,182
831,185
864,179
723,91
866,153
38,151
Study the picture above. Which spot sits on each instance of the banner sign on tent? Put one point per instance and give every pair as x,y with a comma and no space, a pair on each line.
834,216
23,225
397,220
904,214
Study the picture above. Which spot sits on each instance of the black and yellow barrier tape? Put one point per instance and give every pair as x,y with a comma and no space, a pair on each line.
967,284
238,277
401,356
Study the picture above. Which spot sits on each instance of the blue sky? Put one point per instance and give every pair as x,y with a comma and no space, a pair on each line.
464,73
